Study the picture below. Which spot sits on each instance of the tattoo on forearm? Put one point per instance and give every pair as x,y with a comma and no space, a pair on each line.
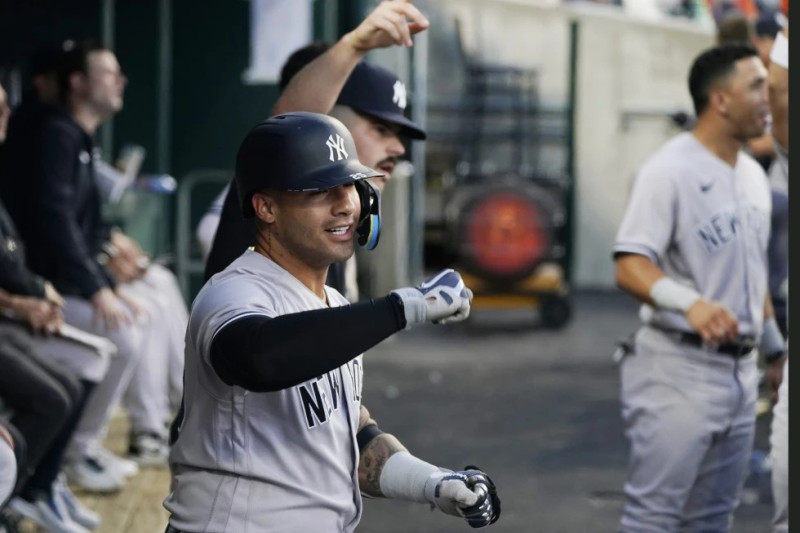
372,460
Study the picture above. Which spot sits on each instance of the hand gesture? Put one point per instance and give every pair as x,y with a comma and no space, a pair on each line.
714,322
124,269
109,309
440,299
41,315
392,22
128,262
469,493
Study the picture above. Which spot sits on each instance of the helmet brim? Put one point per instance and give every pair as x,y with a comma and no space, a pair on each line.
335,174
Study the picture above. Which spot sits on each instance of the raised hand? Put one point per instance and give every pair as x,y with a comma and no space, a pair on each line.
392,22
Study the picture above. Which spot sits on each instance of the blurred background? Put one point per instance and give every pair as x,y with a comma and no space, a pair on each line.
538,113
565,98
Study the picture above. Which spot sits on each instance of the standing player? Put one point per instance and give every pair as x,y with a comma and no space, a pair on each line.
692,248
274,436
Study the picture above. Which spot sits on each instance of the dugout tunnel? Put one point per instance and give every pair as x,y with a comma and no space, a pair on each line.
557,103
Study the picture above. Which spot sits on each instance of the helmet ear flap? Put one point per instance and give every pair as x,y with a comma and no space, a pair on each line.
369,222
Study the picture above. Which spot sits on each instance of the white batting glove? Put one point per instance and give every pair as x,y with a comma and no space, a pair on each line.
440,299
470,494
448,491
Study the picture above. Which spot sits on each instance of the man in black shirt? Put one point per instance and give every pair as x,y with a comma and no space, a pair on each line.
49,182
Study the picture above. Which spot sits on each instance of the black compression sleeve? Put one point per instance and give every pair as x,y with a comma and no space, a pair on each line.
264,354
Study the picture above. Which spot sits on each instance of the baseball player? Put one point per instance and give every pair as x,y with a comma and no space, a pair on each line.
692,247
274,436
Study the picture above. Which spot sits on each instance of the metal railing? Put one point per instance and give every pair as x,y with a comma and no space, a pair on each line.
187,258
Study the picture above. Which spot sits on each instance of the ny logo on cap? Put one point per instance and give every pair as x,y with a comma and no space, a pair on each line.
338,145
399,97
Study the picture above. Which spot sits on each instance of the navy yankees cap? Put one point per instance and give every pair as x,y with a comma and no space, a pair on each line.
376,91
768,26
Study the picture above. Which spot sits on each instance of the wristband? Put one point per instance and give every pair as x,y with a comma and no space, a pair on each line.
772,344
366,435
404,477
669,294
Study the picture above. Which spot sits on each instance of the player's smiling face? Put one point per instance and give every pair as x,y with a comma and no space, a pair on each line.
318,228
746,98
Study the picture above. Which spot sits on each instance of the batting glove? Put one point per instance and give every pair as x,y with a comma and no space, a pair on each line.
469,493
441,299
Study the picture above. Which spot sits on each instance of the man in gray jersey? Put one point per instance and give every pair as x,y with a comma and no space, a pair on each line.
692,247
274,436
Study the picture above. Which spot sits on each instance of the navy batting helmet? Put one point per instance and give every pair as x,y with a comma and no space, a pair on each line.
303,151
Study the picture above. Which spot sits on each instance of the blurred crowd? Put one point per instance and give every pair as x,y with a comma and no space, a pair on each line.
88,322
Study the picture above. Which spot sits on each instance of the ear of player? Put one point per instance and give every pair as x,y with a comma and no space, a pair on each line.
468,493
439,299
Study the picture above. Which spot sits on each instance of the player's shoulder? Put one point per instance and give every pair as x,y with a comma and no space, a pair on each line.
681,156
666,163
246,277
676,153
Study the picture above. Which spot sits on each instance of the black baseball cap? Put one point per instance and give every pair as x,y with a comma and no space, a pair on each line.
768,26
378,92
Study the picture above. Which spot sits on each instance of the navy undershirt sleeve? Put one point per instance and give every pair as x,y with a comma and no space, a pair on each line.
263,354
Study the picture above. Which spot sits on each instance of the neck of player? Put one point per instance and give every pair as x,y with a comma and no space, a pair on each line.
718,141
311,277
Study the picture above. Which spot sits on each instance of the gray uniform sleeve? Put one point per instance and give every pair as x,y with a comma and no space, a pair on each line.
649,222
214,309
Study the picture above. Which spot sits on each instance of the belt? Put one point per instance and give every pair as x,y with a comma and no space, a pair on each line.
742,347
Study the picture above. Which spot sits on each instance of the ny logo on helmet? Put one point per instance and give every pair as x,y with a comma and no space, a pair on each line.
338,145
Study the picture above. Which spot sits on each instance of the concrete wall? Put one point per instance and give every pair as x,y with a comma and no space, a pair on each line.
631,73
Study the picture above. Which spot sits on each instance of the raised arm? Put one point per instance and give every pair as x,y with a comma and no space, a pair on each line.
317,86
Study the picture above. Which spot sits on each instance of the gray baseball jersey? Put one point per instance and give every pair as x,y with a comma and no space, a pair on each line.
706,225
689,413
249,462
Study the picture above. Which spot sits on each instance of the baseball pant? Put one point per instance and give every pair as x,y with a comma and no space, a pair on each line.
779,441
41,394
156,384
690,419
106,396
164,282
